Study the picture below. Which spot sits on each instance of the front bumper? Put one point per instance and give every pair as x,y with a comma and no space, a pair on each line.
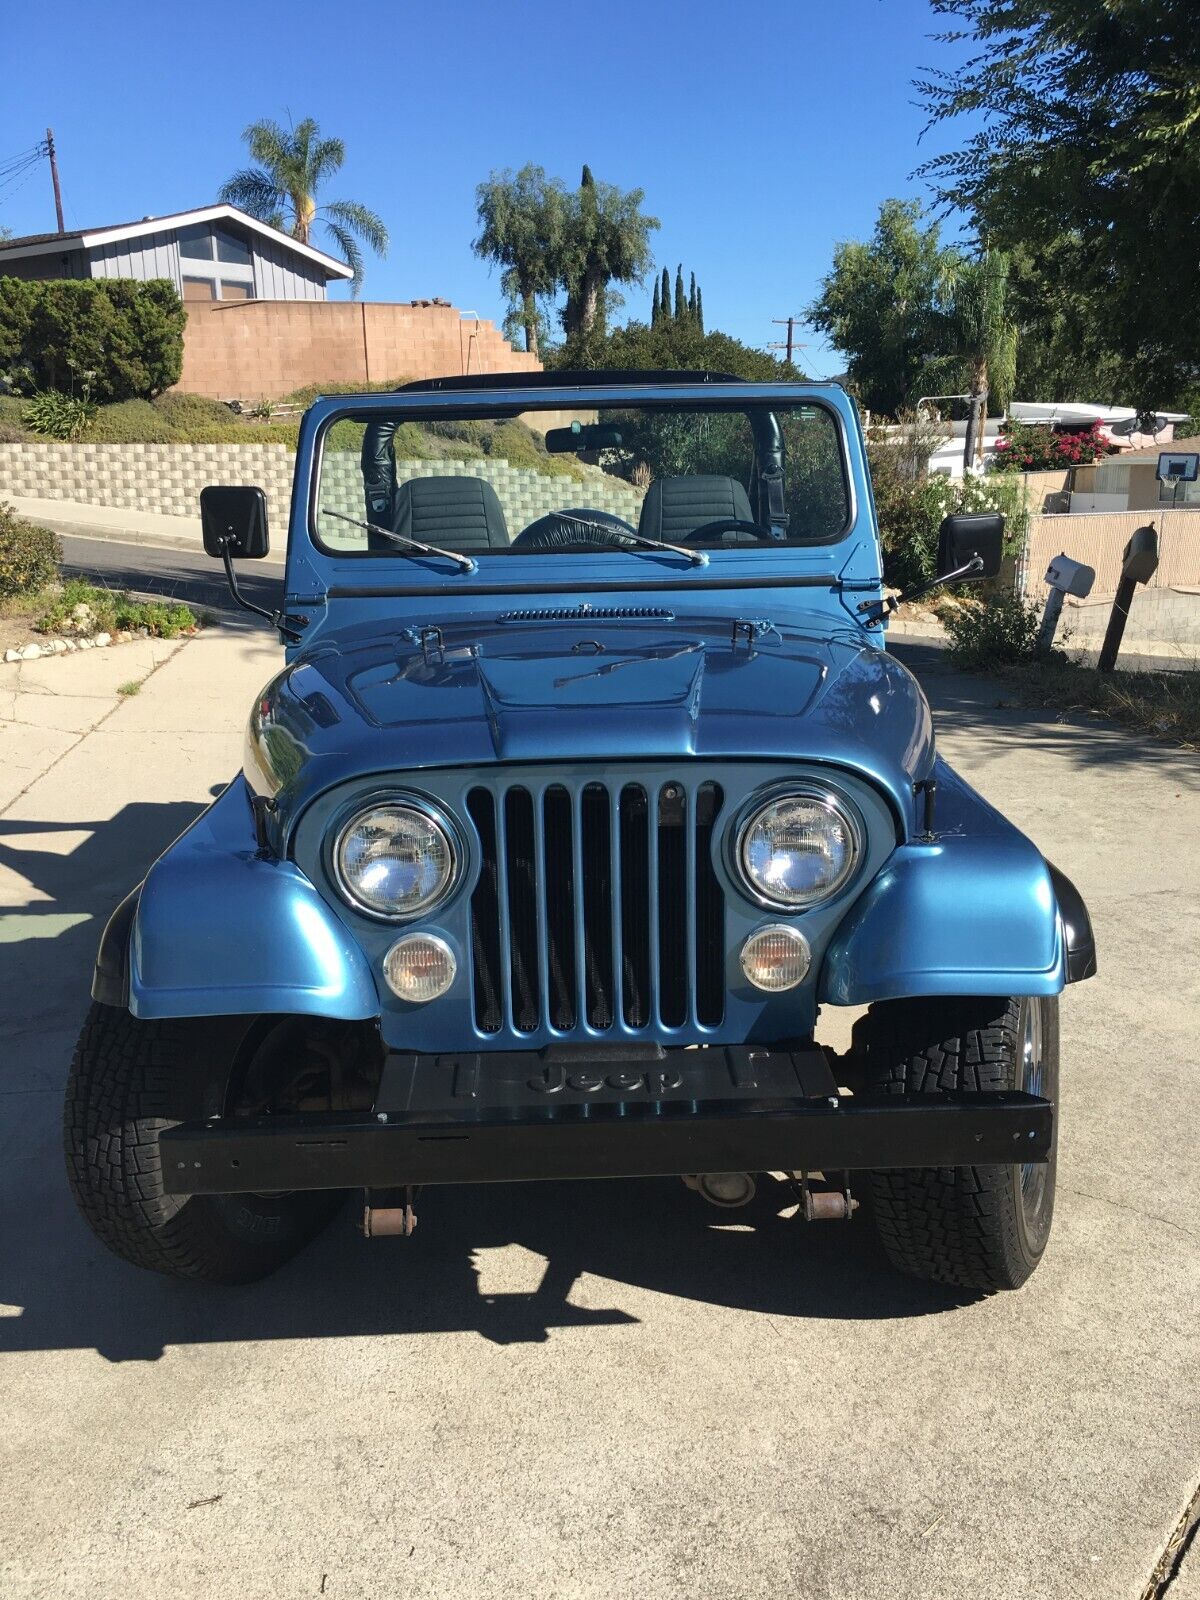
514,1116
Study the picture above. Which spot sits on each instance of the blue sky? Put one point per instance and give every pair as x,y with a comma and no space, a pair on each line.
762,134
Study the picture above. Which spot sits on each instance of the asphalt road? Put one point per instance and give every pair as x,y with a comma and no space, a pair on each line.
194,578
599,1390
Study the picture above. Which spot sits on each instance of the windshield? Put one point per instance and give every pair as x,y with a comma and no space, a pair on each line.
646,479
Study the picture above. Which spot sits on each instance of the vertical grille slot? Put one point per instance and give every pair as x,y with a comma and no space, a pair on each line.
635,905
710,912
485,918
673,963
520,861
560,906
597,906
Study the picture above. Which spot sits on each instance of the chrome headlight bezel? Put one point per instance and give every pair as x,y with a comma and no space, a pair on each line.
837,805
417,805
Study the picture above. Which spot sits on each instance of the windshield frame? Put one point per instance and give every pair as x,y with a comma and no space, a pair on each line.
498,404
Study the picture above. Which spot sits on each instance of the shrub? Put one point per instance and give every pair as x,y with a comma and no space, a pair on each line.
83,608
130,422
1027,448
127,335
185,411
59,416
998,630
29,555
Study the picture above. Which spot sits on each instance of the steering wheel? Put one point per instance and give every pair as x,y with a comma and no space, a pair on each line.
723,525
574,530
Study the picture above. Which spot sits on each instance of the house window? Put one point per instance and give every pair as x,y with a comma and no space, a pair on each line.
199,288
196,244
232,249
235,291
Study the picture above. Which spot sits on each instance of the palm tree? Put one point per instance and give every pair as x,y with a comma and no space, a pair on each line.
282,190
983,335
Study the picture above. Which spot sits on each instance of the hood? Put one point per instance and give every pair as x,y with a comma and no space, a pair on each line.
588,683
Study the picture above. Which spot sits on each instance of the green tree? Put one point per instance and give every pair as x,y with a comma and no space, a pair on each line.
883,304
680,302
699,310
1083,150
672,346
666,295
522,217
656,305
977,335
283,190
606,240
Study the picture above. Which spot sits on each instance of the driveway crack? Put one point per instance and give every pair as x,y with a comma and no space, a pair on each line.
1170,1562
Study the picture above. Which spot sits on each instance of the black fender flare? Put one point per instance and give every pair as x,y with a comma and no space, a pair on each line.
110,980
1077,927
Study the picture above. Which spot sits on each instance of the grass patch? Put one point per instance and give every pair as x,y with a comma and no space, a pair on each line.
129,689
82,609
1165,705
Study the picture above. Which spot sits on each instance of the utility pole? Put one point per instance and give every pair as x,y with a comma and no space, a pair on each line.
50,151
790,343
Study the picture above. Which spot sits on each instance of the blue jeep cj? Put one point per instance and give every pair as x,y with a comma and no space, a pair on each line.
580,794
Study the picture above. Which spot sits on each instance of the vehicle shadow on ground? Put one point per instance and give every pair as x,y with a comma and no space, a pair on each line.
651,1234
49,946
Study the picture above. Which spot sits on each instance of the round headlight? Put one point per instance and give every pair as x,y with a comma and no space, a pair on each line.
797,850
395,861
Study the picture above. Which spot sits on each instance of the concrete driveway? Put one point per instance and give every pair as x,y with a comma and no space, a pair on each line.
600,1390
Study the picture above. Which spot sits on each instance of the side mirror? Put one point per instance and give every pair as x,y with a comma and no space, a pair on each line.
233,520
971,539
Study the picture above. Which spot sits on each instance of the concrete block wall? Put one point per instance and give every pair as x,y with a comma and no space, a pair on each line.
253,349
168,478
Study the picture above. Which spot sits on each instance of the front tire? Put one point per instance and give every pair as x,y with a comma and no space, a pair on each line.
980,1227
129,1081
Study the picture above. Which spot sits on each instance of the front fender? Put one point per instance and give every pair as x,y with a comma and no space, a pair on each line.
972,912
221,930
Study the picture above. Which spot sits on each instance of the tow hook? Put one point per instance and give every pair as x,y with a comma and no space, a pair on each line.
388,1213
823,1205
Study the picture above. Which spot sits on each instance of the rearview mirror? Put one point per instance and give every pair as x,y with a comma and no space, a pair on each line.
973,539
233,520
582,436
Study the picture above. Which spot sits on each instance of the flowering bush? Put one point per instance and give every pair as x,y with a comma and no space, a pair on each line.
1027,448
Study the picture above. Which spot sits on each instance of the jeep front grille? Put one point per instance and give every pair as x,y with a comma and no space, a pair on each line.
597,908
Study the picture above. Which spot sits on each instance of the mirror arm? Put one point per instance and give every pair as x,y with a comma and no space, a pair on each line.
288,626
878,609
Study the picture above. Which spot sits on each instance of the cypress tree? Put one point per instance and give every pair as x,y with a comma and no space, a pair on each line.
665,311
692,298
656,305
699,309
680,302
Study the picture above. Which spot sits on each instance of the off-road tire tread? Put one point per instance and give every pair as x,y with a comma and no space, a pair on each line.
953,1225
128,1082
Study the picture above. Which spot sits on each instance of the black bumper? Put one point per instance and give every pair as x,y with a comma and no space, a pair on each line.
499,1118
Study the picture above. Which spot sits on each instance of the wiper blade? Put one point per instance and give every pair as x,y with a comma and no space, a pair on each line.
405,543
696,557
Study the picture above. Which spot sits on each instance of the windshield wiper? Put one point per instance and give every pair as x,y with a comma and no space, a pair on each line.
696,557
402,540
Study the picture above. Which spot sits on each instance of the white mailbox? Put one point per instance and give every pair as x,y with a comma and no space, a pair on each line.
1070,577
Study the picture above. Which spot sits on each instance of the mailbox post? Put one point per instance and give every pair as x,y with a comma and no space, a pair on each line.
1138,565
1064,577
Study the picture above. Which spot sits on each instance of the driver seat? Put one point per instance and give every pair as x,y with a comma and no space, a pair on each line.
674,506
461,514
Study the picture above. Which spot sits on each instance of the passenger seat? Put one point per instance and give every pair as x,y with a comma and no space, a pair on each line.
673,507
462,514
